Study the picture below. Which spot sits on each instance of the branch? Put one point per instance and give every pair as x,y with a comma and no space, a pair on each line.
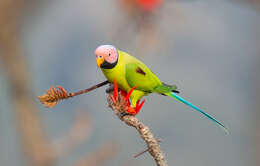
119,107
53,96
146,150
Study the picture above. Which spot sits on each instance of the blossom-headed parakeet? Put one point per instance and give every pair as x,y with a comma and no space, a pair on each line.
135,79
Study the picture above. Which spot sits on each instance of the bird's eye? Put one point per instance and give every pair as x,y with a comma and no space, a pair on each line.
100,56
109,54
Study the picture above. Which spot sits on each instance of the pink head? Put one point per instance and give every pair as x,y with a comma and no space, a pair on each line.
106,56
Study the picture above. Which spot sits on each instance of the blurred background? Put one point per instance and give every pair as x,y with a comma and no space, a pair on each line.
210,49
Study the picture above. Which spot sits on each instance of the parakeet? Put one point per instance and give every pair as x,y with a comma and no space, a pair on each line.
135,79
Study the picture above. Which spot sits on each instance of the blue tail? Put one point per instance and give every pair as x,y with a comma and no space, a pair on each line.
175,96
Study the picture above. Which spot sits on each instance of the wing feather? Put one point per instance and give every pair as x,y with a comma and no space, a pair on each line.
141,76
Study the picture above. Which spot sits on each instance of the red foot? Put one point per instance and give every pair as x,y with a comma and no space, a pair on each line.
134,111
130,110
115,97
124,94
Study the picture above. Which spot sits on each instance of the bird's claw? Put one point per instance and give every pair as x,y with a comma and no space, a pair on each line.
129,93
114,97
122,114
134,111
130,110
126,96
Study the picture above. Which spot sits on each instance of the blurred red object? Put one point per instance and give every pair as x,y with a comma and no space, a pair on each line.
149,5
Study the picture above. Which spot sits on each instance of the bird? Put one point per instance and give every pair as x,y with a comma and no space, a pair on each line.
135,80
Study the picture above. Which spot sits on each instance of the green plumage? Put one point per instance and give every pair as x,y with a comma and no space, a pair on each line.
130,72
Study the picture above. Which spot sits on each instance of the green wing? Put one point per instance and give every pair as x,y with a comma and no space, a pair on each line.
142,77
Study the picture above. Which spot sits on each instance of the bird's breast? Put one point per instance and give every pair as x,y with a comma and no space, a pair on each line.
117,73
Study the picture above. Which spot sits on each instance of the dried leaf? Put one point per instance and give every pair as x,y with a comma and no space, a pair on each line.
53,96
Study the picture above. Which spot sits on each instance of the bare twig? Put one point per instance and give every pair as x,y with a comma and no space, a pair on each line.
119,107
53,96
146,150
88,90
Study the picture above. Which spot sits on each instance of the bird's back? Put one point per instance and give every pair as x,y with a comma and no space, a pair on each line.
138,74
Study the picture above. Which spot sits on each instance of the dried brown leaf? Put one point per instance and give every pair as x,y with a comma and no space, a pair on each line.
53,96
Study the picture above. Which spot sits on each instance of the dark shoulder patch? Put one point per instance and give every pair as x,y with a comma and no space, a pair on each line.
140,71
175,91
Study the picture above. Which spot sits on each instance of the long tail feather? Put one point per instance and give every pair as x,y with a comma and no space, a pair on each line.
178,98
